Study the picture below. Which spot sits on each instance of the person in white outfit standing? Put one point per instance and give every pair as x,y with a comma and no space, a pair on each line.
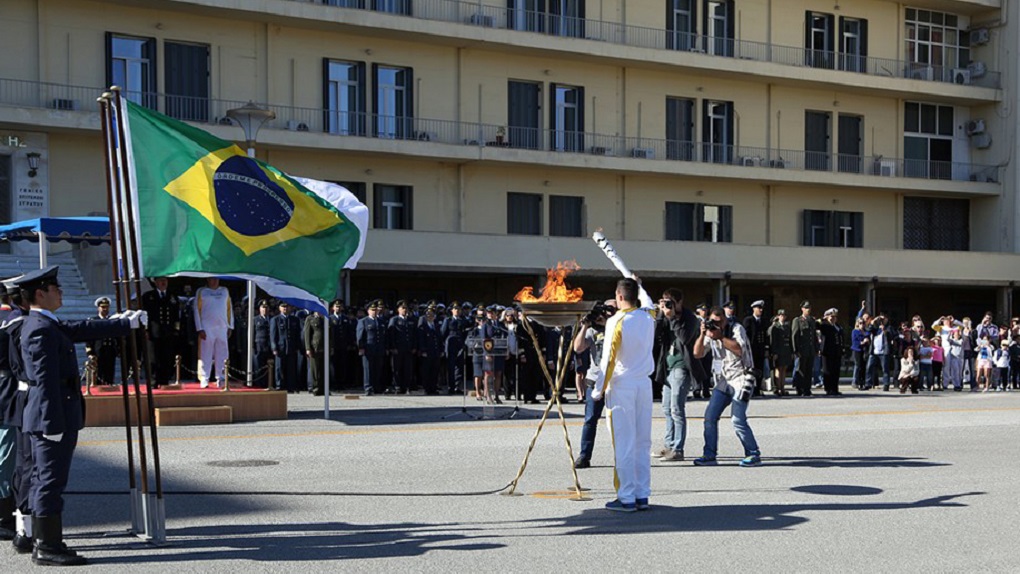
626,367
214,321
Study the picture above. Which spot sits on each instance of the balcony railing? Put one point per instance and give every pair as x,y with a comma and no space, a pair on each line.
41,95
544,22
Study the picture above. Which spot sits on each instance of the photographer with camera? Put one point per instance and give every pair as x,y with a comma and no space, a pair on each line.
679,328
589,341
734,385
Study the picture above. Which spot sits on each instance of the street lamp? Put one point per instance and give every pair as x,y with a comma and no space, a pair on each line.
250,117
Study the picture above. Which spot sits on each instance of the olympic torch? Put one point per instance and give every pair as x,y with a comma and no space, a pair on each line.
607,248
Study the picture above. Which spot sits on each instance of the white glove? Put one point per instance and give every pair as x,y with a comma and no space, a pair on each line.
53,437
143,317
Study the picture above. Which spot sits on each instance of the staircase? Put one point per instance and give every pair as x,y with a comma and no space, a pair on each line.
78,302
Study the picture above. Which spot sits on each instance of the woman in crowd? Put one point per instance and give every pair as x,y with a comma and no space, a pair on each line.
908,371
925,354
859,344
983,354
937,359
781,351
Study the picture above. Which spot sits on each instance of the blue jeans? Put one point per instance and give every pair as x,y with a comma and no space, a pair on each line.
926,377
877,363
738,412
674,406
592,414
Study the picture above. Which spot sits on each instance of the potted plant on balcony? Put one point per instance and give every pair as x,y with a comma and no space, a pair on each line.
500,135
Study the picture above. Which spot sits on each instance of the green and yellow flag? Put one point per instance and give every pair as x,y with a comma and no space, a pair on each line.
204,207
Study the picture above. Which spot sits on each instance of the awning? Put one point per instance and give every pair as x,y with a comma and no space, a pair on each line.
94,230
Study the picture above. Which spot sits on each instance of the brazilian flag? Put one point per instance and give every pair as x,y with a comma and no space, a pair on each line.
205,207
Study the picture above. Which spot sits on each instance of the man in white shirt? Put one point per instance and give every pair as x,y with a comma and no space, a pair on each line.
626,367
214,321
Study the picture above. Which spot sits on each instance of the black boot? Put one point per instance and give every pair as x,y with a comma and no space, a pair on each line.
7,507
50,549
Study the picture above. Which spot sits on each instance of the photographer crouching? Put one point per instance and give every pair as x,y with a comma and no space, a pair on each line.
589,340
732,371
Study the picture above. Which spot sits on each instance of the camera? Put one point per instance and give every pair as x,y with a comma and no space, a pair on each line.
710,324
600,310
745,391
668,303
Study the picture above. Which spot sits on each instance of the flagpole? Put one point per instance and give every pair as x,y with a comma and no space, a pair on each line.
115,247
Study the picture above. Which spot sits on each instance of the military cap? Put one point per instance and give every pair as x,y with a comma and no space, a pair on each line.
454,303
440,306
701,307
466,305
781,312
805,304
758,303
103,301
38,279
401,303
832,311
728,305
12,283
281,303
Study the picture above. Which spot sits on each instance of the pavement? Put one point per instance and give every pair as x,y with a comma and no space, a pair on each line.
866,482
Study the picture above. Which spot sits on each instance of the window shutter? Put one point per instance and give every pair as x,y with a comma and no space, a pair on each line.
864,39
806,217
408,193
807,31
725,224
698,222
375,99
830,22
109,58
327,106
409,90
731,17
730,144
580,119
857,222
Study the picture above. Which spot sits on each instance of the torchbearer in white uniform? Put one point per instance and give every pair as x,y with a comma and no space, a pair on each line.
625,381
214,321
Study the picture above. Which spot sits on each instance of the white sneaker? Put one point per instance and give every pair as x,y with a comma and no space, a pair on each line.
204,385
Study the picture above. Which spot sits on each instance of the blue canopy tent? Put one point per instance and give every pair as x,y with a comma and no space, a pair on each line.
93,230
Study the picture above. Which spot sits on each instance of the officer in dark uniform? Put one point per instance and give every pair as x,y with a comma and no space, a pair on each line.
371,340
314,334
263,349
22,479
804,336
430,346
285,342
8,430
402,341
757,331
54,412
453,331
341,339
831,350
165,313
104,350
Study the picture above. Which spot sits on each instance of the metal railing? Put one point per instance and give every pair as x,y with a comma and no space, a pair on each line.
547,23
27,94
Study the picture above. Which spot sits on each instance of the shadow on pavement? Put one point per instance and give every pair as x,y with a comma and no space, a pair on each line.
852,462
425,415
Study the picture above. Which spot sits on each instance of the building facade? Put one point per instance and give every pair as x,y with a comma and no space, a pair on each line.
739,149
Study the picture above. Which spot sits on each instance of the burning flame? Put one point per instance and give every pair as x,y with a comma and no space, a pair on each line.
555,290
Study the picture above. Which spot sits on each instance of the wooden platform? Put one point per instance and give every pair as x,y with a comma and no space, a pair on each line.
107,408
178,416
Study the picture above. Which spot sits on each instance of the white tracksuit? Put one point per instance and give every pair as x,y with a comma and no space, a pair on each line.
214,314
629,339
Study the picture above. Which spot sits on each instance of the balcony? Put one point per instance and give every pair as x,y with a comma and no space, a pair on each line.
634,152
546,23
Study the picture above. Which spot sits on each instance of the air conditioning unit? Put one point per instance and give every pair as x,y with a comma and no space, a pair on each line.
981,141
885,167
643,152
926,73
977,69
748,161
601,150
779,163
296,126
961,76
980,36
482,20
974,127
64,104
224,121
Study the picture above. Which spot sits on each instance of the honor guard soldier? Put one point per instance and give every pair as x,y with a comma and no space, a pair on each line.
341,341
263,349
371,338
402,341
804,336
165,314
757,329
430,346
8,429
23,465
54,412
106,350
453,331
314,333
285,341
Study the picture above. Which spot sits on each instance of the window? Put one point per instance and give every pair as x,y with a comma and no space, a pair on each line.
935,45
680,128
344,97
523,114
819,40
523,213
937,224
355,187
187,81
853,44
717,27
717,132
526,15
851,143
394,102
567,118
556,17
699,222
566,216
817,140
392,6
928,140
391,206
132,66
832,228
680,18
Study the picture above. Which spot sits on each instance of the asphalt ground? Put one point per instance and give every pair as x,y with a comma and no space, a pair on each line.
867,482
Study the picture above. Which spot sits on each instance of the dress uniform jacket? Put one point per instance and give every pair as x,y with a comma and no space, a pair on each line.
105,351
314,334
285,341
430,346
164,331
371,341
8,382
263,350
402,340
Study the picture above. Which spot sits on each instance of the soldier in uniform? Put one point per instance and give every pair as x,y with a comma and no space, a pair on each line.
302,360
804,337
315,349
105,351
832,350
402,341
164,311
8,430
757,330
263,349
53,414
23,465
371,338
430,346
285,342
452,331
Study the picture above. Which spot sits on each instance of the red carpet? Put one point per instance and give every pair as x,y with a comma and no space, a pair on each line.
185,388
